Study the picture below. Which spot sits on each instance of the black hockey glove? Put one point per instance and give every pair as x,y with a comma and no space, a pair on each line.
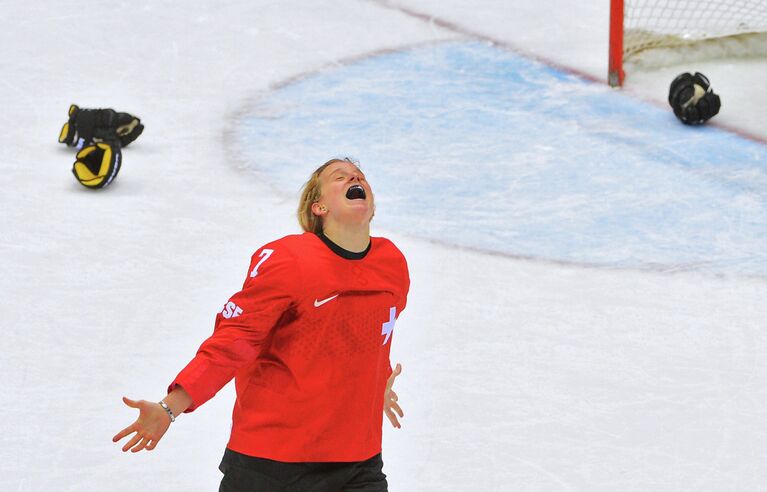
97,164
68,133
86,126
693,100
127,127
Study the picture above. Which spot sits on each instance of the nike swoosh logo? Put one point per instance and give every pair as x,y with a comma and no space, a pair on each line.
320,303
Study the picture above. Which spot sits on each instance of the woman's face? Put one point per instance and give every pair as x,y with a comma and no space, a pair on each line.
346,195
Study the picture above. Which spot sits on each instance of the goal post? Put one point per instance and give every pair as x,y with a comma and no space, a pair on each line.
615,68
702,28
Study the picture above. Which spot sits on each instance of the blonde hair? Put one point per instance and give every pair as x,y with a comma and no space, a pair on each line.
310,194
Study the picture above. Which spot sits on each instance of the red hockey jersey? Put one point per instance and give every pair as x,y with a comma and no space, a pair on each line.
307,340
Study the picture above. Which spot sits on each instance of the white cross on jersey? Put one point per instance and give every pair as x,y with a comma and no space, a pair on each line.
389,325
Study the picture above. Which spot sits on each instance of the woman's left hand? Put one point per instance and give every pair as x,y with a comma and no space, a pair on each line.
390,399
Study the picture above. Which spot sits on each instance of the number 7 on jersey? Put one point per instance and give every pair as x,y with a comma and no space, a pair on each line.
265,254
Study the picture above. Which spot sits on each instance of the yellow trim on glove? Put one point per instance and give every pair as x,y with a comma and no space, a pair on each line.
64,133
84,174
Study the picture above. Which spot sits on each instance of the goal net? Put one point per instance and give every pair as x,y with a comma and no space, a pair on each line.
664,32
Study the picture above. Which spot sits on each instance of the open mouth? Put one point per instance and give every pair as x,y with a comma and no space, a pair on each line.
355,192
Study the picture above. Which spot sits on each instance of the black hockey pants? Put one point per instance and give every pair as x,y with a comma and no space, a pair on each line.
248,474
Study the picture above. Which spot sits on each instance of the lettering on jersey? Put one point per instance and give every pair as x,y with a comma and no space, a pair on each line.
264,255
231,310
388,327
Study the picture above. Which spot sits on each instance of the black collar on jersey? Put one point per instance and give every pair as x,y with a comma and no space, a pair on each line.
344,253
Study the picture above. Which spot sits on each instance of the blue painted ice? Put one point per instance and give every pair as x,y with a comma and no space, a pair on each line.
501,153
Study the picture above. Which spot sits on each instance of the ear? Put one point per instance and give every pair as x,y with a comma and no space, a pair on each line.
319,210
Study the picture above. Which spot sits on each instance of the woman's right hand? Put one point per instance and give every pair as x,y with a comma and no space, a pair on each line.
152,423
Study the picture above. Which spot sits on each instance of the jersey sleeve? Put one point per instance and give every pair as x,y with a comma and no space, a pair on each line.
405,282
270,290
403,278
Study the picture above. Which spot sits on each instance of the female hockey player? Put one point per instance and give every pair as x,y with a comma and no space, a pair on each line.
307,341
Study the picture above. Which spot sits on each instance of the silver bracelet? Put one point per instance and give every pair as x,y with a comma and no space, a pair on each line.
167,409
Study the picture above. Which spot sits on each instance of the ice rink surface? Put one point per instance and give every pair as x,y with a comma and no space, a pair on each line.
565,330
470,120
